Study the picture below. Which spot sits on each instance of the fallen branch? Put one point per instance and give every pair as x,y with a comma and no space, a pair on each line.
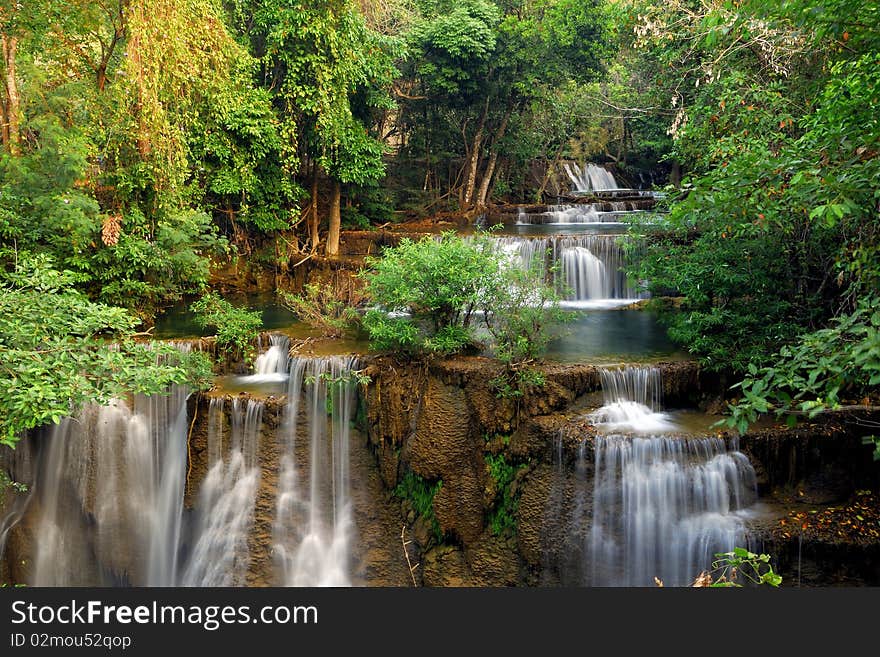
405,542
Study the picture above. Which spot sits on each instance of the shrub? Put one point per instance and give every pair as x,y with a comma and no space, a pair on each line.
236,328
322,308
438,284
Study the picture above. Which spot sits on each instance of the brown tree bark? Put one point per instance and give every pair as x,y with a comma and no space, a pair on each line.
335,219
483,192
12,100
474,160
314,218
675,174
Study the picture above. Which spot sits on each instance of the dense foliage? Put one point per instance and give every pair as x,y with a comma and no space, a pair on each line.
431,295
145,140
235,329
774,237
60,351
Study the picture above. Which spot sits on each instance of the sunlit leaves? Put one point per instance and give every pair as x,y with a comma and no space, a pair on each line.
59,351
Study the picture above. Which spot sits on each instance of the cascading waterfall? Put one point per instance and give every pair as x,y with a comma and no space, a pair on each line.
271,365
313,524
633,401
582,213
227,496
590,177
590,266
109,489
662,505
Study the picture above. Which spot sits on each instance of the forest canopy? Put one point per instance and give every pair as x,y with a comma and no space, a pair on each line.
146,141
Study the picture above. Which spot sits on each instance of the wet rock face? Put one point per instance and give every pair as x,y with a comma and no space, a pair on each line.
443,447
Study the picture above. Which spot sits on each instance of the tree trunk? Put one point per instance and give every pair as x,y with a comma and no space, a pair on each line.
474,160
487,179
493,159
12,102
313,213
675,174
335,220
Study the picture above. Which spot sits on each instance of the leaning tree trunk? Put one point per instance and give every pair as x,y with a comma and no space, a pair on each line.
474,160
487,180
12,102
335,219
313,212
483,194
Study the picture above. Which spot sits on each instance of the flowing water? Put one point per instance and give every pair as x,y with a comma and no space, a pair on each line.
583,214
220,555
590,177
109,491
633,401
109,487
313,524
661,505
588,268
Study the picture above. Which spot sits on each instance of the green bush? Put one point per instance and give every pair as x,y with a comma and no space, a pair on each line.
236,328
439,283
441,286
61,351
321,308
521,308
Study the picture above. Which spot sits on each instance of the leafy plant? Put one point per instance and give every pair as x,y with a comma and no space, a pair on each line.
521,307
512,383
322,308
502,515
236,328
430,292
728,567
420,494
60,351
6,483
438,283
819,372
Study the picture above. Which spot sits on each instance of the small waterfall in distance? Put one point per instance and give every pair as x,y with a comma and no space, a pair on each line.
590,177
590,266
662,505
314,525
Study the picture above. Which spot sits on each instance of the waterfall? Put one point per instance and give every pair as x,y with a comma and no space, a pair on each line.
633,401
590,266
271,365
313,523
109,492
663,506
582,213
590,177
226,499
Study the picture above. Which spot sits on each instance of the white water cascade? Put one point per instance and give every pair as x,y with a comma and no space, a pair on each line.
590,177
662,505
271,365
633,401
313,524
220,555
590,266
109,490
